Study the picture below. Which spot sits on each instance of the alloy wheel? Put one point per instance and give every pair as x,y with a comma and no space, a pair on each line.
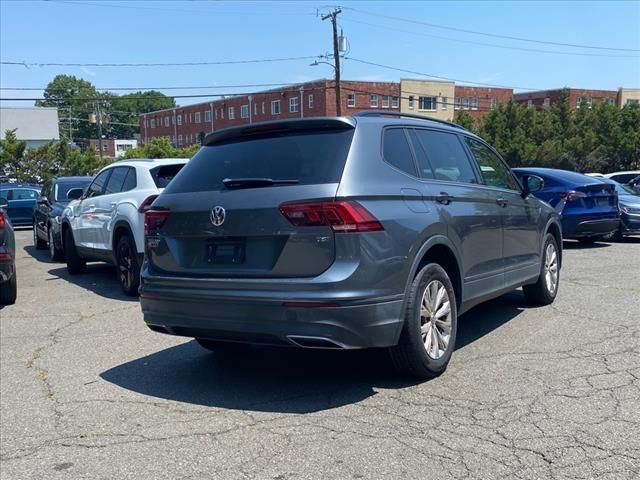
551,268
125,264
52,245
435,319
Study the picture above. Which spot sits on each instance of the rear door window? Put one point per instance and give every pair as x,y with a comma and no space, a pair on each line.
396,150
114,185
308,156
445,155
25,194
494,172
130,180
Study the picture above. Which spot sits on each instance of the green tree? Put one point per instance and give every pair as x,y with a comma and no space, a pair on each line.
465,120
124,111
162,148
12,153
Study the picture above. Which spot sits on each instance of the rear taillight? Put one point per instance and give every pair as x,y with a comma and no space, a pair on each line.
2,221
340,216
146,204
572,195
154,219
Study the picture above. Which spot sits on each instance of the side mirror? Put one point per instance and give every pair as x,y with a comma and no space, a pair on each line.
43,200
75,193
532,184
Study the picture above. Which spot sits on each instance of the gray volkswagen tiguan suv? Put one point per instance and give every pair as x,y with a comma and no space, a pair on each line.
375,230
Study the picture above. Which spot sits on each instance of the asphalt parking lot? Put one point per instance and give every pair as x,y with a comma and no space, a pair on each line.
87,391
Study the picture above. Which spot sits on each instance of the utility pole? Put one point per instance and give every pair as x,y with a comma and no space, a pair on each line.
336,55
97,118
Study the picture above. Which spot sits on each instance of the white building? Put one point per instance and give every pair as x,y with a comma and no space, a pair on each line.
34,125
121,146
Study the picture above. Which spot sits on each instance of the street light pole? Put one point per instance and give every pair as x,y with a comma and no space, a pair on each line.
336,56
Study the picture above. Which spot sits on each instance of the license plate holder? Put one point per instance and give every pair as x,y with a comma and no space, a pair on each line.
602,201
226,251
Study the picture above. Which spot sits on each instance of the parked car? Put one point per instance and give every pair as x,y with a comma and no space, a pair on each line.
8,281
20,200
375,230
106,222
629,204
625,178
588,206
47,213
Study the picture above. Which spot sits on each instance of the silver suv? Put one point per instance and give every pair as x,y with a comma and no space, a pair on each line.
376,230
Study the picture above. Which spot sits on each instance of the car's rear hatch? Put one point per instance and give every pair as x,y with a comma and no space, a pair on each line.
224,217
595,198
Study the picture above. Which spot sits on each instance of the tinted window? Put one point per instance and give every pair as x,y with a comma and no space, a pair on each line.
311,157
130,180
446,155
97,185
4,195
60,190
163,175
114,185
424,167
25,194
494,172
397,151
623,177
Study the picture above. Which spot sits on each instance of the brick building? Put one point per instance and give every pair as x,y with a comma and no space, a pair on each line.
189,124
113,148
577,97
479,100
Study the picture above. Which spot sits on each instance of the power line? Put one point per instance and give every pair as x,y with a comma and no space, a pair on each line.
195,87
450,79
471,42
167,64
107,123
485,34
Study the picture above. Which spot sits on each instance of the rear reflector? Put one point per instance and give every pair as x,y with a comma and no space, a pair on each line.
5,256
340,216
153,219
146,204
572,195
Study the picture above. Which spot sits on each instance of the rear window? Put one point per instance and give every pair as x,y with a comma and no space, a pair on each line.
61,189
311,157
164,174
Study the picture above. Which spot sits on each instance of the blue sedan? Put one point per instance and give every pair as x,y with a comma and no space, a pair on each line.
20,200
588,206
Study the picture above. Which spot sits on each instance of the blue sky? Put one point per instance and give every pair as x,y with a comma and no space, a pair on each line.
98,31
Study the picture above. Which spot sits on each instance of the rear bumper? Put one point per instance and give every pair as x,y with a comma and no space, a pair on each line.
347,324
578,226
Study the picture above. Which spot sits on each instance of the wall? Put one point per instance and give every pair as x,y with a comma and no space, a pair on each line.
428,88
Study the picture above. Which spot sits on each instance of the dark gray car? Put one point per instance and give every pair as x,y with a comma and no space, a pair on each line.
8,282
351,232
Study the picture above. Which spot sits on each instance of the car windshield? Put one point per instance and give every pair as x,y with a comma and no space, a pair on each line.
61,189
624,190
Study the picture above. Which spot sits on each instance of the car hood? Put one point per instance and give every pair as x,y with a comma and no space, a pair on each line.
629,200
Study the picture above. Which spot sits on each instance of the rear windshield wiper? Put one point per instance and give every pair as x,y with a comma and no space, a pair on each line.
256,182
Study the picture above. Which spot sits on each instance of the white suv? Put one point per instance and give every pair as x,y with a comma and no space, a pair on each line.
106,222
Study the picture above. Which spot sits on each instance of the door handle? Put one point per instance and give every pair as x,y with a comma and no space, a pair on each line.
444,198
502,201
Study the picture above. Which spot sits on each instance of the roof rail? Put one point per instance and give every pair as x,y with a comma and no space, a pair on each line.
380,113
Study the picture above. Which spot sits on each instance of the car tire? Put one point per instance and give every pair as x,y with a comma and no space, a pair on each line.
616,236
128,265
544,291
9,290
416,354
55,254
222,347
37,241
75,263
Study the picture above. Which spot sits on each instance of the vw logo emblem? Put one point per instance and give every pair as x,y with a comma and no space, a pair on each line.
217,215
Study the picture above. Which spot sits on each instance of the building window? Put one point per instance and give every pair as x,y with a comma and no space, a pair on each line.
395,102
411,102
275,107
255,109
294,104
351,100
578,102
630,101
222,113
97,147
456,103
180,139
589,102
444,103
465,103
179,119
494,103
427,103
263,108
374,100
546,102
385,101
104,147
197,117
153,123
310,102
529,103
611,102
207,115
474,103
166,121
232,113
244,111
